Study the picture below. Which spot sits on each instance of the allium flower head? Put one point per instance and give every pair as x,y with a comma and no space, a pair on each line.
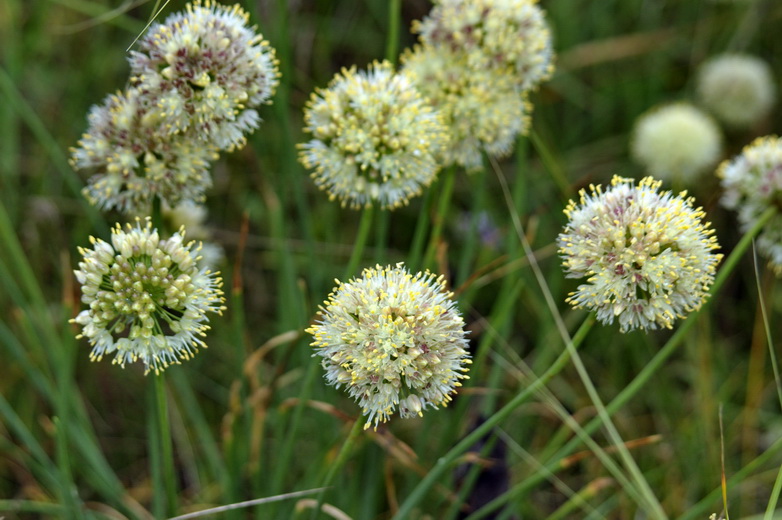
375,138
133,163
484,109
507,34
647,255
207,71
737,88
753,182
147,297
393,339
676,142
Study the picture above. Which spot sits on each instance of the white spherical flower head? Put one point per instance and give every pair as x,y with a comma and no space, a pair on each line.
647,255
508,34
208,71
374,138
393,339
132,162
676,142
147,297
737,88
485,110
753,183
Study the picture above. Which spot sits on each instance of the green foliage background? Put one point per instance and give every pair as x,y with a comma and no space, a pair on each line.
251,421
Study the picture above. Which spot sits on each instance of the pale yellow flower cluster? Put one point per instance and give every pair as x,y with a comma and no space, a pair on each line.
738,89
477,62
676,142
394,340
374,138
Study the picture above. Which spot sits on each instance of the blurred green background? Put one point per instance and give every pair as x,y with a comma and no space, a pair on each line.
250,422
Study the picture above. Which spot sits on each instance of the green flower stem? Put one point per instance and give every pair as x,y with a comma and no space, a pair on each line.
421,226
392,38
551,164
335,466
166,459
361,239
157,215
648,371
472,244
283,462
772,502
445,462
446,189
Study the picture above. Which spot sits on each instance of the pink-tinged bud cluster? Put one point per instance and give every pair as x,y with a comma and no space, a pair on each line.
647,256
195,85
753,183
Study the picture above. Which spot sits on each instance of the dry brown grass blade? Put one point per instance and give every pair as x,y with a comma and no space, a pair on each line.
613,49
631,444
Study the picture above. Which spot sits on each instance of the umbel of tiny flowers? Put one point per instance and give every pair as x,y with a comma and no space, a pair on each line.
393,339
206,71
147,298
132,162
647,256
374,138
500,34
676,142
753,182
484,109
737,88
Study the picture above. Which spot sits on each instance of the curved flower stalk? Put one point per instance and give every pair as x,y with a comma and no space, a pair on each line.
133,163
676,142
206,70
484,109
375,138
737,88
147,298
647,255
493,34
753,183
394,340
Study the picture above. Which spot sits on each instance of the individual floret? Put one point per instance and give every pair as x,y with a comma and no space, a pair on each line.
647,255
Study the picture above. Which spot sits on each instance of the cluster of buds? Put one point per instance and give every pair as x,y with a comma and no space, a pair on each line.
476,62
394,340
195,84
